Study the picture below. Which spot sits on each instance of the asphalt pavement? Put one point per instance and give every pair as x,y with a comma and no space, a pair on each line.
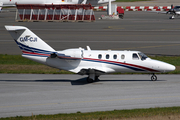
27,94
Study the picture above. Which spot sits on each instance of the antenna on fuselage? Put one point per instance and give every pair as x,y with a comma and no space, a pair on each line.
88,48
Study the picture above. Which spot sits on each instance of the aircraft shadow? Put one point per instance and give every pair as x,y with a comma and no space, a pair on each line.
129,80
81,81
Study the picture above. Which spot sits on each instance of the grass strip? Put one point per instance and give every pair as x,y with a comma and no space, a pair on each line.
165,113
31,69
18,64
15,60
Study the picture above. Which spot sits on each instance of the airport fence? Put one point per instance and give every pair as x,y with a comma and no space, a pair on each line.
77,12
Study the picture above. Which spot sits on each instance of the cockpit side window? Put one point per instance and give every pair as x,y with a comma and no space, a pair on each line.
142,56
135,56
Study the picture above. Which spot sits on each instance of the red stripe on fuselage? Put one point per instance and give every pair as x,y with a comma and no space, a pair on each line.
127,64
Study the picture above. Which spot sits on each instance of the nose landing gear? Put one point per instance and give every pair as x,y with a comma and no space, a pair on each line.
153,77
172,17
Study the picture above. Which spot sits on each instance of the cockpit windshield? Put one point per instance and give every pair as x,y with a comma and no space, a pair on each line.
143,56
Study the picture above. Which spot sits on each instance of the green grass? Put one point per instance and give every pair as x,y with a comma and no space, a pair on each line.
15,60
174,60
18,64
108,115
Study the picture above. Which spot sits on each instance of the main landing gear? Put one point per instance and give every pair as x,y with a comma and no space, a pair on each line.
92,78
92,75
153,77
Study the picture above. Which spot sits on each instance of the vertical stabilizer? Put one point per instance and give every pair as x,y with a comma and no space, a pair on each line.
28,42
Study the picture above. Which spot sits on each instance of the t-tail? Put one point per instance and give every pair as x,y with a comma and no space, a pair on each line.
32,46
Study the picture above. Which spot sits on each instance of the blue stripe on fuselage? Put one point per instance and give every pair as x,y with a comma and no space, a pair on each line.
118,64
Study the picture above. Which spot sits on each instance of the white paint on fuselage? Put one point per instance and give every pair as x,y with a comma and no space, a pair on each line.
90,60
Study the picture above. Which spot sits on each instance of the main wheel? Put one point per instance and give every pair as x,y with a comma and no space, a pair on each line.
96,78
153,77
89,80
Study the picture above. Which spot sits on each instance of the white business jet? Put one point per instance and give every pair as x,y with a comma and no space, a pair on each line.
174,11
85,62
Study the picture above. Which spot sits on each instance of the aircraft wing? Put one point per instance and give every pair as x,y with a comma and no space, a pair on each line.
92,70
164,12
8,6
1,4
95,2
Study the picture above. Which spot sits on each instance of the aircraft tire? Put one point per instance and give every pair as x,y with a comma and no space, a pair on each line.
97,78
153,77
171,18
89,80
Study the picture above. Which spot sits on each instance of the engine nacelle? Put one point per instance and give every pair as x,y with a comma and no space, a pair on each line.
70,54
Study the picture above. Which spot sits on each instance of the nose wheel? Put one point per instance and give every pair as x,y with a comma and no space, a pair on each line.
172,17
153,77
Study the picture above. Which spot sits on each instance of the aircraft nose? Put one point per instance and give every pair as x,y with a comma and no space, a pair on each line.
170,67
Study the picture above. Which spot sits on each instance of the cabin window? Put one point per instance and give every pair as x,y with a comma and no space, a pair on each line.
115,56
122,56
135,56
99,56
107,56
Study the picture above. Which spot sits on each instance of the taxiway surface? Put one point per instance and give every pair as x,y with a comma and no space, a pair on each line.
24,94
147,32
